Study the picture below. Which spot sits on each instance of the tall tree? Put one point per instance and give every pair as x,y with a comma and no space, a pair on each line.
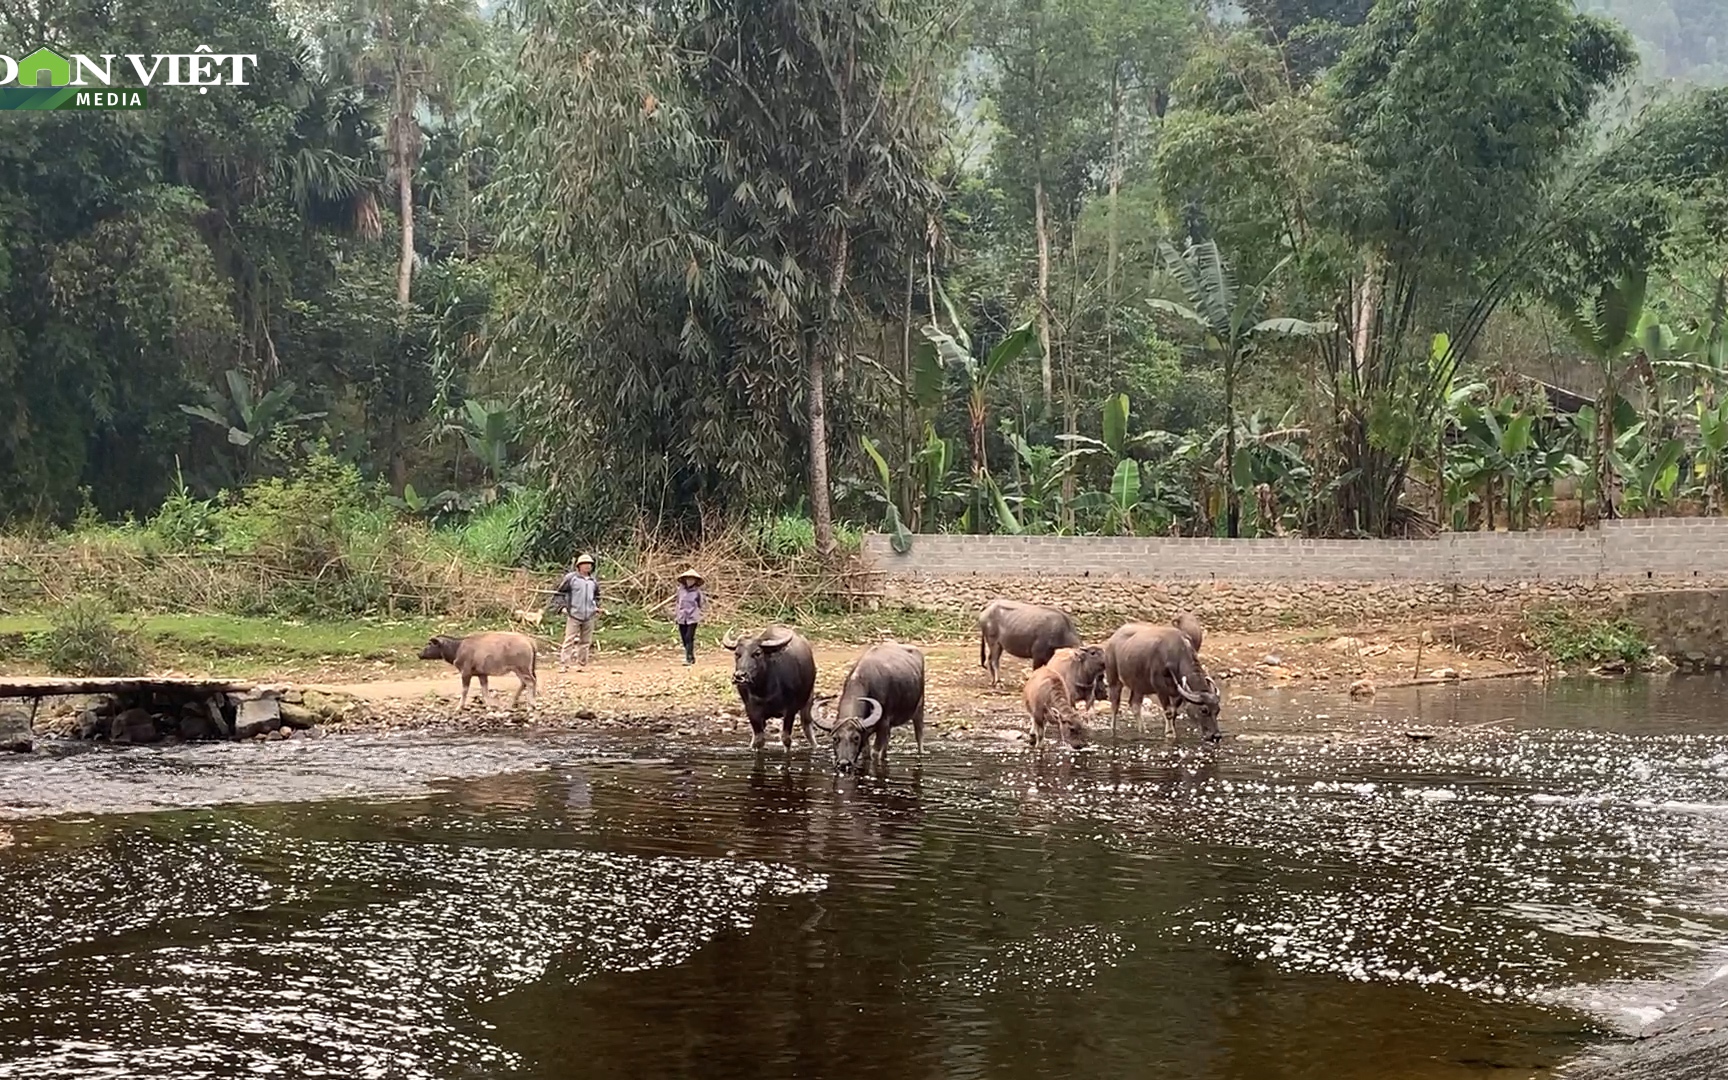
1049,93
1231,320
1459,115
738,200
406,53
821,114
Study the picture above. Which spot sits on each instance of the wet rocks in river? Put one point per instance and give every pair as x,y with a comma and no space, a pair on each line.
297,717
179,713
15,737
257,716
133,725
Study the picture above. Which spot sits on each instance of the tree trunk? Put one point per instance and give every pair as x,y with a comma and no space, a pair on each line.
402,152
821,509
1114,240
907,495
1042,223
405,207
1232,501
1605,451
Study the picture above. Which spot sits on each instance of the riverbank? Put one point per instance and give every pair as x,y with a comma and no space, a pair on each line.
1689,1043
650,687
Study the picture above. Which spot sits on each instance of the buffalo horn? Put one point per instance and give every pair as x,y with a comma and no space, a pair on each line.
1187,694
868,721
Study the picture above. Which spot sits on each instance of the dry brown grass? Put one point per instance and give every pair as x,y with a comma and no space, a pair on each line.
407,578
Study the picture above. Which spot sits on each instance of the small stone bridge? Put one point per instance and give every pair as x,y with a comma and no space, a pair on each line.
147,710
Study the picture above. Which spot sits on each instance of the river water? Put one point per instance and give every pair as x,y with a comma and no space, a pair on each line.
1319,896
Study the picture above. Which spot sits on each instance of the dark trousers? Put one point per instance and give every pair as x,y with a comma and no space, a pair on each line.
687,634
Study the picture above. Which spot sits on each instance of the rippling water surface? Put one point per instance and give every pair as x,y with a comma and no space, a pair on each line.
1321,896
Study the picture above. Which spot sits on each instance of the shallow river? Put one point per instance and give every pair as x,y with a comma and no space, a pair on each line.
1320,896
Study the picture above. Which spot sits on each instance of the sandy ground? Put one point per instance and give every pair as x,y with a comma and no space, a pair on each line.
654,685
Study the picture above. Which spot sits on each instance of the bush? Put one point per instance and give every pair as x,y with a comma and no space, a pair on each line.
84,639
1567,637
501,534
788,536
183,523
303,522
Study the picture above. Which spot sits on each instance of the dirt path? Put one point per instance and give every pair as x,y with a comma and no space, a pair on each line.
655,683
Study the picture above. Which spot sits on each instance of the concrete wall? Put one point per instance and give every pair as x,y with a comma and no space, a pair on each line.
1688,626
1690,549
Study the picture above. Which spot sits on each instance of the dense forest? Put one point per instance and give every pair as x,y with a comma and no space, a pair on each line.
1327,267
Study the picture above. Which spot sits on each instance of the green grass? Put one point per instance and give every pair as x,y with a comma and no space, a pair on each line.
244,645
1567,637
206,640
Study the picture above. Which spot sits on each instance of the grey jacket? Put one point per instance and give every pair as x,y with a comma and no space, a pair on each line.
687,605
578,596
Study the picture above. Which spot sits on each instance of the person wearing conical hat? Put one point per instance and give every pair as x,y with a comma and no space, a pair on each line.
688,605
579,597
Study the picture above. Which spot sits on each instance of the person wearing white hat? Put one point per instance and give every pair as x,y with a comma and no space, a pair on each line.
579,597
688,606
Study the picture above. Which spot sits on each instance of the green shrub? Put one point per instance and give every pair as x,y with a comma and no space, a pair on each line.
1568,637
302,520
182,523
501,534
83,639
788,536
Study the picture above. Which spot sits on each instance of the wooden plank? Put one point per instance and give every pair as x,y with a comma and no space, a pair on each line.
14,687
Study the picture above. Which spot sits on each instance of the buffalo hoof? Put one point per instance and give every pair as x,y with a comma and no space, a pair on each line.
756,742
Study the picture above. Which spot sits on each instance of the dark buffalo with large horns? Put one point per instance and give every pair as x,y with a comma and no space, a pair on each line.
883,691
775,673
1025,630
1147,659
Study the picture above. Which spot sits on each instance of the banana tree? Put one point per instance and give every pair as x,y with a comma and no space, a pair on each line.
422,506
1604,327
955,351
1649,467
1711,465
1230,321
900,537
1269,460
1504,449
1038,476
249,421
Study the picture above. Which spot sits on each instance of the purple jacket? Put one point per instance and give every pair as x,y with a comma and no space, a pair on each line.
687,605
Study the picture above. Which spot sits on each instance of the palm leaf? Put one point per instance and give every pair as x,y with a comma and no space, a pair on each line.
203,412
881,464
1181,311
1294,327
1125,485
1116,423
1009,349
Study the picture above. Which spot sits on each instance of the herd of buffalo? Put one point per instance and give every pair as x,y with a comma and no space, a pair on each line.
774,672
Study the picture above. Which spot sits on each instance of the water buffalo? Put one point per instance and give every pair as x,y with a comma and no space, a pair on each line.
775,673
1025,630
1190,626
484,655
1047,701
884,690
1082,670
1160,660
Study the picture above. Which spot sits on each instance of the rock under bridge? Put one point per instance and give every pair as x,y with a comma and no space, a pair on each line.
147,710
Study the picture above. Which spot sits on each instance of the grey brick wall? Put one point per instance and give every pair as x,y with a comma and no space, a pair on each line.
1690,548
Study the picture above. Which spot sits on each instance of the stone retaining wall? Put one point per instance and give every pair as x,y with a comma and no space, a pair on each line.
1686,548
1669,575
